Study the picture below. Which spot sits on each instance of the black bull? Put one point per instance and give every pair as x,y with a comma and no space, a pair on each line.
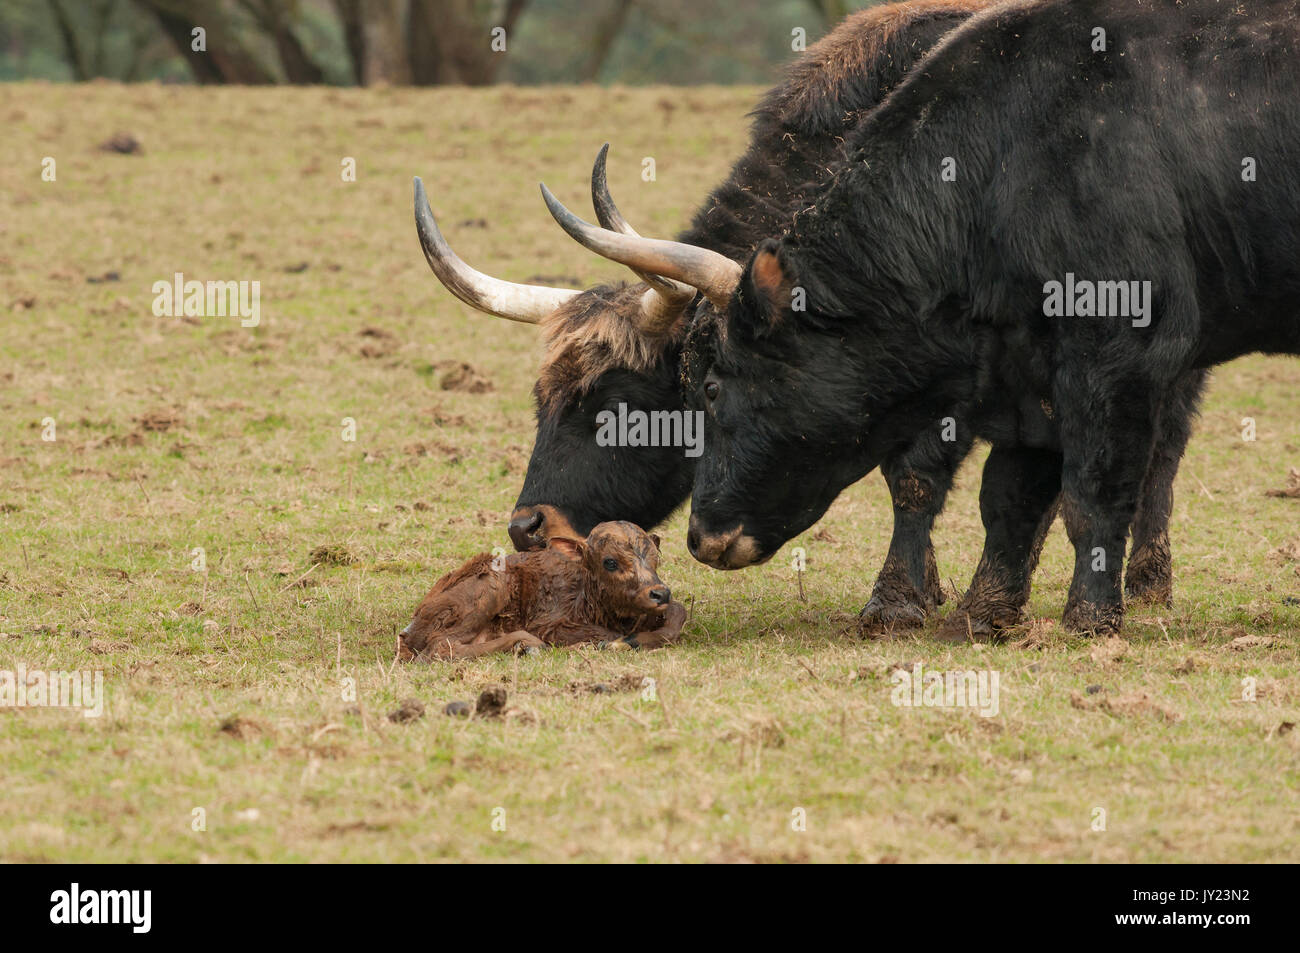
1164,150
572,483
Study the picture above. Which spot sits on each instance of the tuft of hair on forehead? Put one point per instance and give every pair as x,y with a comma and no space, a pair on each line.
622,535
595,332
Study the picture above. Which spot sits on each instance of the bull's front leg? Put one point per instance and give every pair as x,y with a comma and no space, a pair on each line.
908,587
1018,497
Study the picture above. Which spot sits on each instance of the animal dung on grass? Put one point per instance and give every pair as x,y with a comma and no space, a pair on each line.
605,588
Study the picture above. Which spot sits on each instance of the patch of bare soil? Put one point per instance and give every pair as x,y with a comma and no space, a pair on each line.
1125,705
122,143
378,343
1243,642
630,682
159,421
438,449
443,418
244,729
1292,488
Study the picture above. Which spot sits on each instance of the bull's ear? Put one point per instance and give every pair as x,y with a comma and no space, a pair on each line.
573,548
654,538
771,283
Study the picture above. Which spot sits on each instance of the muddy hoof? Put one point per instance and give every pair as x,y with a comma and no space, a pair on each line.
882,616
961,627
1087,618
1154,590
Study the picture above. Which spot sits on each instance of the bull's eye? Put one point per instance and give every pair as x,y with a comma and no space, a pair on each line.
711,390
611,565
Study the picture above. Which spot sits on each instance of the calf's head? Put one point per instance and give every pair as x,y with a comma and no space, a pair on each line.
621,561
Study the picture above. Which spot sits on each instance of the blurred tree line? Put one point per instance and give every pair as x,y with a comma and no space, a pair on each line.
407,42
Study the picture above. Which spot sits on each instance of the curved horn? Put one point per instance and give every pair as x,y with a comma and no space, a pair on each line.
715,275
664,303
505,299
610,217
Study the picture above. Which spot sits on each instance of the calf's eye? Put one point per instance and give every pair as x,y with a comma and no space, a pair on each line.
711,390
611,565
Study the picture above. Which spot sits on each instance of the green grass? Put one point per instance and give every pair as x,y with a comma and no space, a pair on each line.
766,706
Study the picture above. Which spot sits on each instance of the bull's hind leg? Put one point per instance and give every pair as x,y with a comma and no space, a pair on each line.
1018,497
1149,576
1107,432
908,589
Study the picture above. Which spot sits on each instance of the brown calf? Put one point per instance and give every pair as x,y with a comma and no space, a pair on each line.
604,589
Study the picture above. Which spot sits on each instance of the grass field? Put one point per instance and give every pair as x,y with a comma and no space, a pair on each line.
226,684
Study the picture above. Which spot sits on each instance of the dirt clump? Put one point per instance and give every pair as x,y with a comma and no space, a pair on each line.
459,376
1125,705
630,682
409,710
1292,489
491,702
122,143
333,554
244,729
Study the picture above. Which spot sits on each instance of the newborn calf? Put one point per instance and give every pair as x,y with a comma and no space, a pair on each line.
604,589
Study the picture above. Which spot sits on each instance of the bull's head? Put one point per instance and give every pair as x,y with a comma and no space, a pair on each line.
608,345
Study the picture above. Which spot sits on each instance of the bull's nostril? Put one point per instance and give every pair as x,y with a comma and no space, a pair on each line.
693,541
524,528
661,596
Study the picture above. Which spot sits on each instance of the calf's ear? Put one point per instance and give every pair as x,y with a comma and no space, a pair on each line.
654,538
771,284
573,548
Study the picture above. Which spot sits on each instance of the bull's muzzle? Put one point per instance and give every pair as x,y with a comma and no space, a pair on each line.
731,549
531,527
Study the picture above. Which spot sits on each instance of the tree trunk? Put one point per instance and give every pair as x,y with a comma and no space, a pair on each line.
275,18
386,55
449,42
226,60
71,45
604,40
354,36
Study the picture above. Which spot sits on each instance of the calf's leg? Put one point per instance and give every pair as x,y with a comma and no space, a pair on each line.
494,643
667,632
